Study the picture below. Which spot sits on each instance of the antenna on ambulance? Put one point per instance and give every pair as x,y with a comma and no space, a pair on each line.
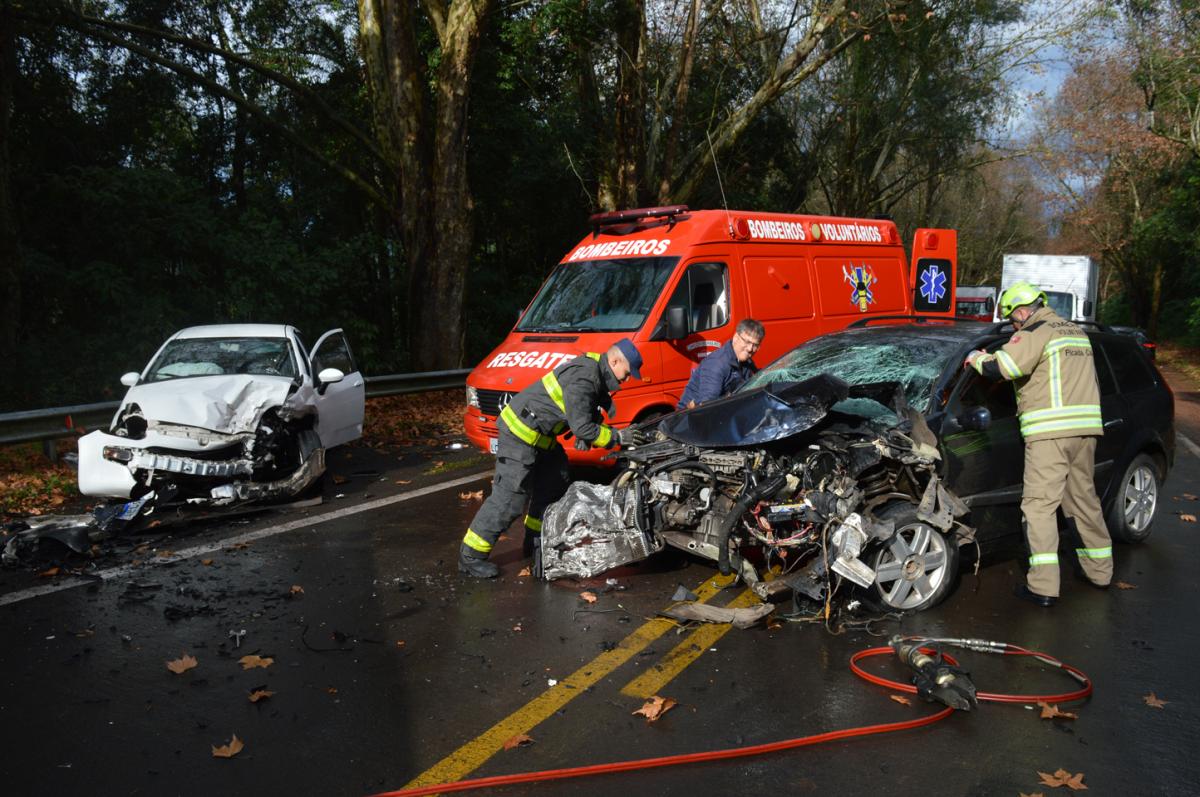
717,169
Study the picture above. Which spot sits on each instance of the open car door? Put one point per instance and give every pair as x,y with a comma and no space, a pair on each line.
340,405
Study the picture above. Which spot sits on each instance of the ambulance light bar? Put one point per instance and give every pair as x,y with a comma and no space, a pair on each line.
598,220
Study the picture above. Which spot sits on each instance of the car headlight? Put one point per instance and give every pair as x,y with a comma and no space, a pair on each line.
472,397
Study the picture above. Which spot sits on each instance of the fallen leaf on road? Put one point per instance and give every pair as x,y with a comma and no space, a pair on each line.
517,628
182,664
525,573
1190,497
1063,778
340,480
1124,585
1186,518
296,590
53,571
399,643
238,546
403,481
206,562
165,554
655,707
590,597
228,750
469,496
259,694
253,660
1049,712
904,701
438,463
1035,794
87,632
1153,701
520,740
331,690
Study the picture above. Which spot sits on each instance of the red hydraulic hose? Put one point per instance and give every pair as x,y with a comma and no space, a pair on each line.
771,747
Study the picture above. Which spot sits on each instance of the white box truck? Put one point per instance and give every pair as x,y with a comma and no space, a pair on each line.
1071,282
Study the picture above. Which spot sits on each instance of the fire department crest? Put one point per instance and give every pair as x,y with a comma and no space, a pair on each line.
860,278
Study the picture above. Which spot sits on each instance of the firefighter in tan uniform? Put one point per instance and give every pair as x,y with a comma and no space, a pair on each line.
1058,403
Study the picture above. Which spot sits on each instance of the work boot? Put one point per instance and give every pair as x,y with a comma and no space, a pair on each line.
531,543
1023,592
475,564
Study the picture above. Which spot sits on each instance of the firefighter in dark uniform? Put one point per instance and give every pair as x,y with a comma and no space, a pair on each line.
530,464
1050,361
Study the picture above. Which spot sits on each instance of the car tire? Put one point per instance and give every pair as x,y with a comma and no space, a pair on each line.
1131,516
918,567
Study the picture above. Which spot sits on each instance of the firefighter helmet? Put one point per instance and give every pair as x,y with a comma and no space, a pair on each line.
1019,295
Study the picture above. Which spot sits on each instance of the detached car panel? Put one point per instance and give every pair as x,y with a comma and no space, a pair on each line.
228,412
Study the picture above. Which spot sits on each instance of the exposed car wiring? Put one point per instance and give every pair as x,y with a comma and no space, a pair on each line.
977,645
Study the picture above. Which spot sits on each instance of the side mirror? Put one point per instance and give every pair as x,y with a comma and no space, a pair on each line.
1087,307
328,377
130,379
672,326
976,419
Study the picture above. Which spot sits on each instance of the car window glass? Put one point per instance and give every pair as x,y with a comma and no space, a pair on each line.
334,353
1104,374
997,395
185,357
1130,370
703,293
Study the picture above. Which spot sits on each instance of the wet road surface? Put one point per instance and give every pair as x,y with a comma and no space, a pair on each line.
390,668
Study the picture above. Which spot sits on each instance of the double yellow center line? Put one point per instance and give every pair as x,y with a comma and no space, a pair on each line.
472,755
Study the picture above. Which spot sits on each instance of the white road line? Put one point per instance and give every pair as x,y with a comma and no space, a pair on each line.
1189,445
250,536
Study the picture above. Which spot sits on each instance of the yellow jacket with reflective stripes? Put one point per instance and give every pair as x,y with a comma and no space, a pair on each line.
1050,362
569,397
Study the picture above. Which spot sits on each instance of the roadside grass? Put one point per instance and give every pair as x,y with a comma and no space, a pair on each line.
1180,358
30,484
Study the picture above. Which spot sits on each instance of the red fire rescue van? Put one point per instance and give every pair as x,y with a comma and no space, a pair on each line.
677,281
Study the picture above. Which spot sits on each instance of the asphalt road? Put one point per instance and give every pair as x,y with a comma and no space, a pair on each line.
388,668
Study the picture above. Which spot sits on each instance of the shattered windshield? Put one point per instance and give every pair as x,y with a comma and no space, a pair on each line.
865,357
598,295
217,356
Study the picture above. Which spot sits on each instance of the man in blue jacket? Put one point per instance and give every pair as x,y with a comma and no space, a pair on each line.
723,371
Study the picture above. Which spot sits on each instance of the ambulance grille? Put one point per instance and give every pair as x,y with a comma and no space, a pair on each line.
492,401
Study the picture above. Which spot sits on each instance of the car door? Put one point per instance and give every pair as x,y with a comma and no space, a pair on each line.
340,405
986,467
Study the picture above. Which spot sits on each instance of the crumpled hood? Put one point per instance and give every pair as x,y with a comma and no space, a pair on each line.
757,416
229,403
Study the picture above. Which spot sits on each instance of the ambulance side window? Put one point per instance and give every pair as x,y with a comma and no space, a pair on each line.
703,292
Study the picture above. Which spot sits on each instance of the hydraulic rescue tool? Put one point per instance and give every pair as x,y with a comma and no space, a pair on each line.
935,678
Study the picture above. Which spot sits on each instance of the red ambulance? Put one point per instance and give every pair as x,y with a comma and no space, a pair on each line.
677,281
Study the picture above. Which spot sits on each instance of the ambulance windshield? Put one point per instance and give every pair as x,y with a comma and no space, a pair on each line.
598,295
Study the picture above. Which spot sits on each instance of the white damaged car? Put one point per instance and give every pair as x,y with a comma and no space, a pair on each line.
223,413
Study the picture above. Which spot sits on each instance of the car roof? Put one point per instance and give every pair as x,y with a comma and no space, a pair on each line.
958,330
235,331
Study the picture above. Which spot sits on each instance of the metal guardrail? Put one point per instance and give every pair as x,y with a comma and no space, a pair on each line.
56,422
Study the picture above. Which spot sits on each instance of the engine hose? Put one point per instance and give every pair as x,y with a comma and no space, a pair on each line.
750,497
775,747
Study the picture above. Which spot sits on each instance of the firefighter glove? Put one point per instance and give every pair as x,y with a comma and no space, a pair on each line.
972,357
631,437
581,444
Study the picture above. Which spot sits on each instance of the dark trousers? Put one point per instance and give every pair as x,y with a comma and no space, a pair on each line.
523,474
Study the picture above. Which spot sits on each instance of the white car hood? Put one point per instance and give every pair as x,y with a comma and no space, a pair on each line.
230,403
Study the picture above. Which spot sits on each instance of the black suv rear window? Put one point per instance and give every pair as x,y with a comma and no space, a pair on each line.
1130,369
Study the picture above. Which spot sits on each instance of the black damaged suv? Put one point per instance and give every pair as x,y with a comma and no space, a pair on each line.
975,419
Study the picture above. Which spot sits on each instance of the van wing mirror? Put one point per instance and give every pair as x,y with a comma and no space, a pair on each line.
672,325
1087,307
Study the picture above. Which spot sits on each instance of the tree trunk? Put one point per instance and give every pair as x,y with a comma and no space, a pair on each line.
620,190
10,253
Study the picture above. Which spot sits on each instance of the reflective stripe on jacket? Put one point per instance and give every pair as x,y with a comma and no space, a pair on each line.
1050,362
567,397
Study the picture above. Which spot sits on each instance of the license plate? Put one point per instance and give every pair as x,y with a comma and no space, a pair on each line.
493,445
